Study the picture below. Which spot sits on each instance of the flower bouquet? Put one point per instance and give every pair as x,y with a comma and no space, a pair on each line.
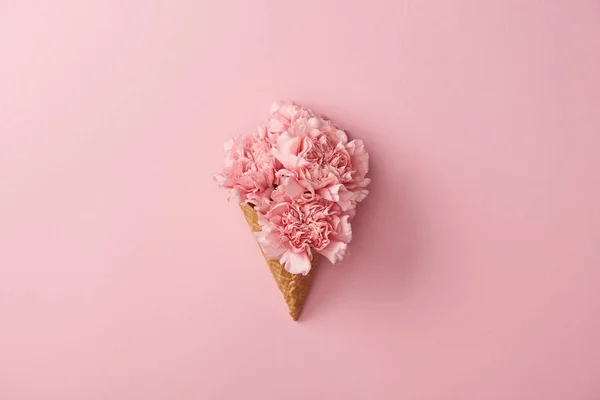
298,180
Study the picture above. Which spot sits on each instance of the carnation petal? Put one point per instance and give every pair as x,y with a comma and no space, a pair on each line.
289,161
296,262
335,251
361,194
351,213
330,193
292,187
275,107
360,159
270,244
342,136
313,123
345,198
237,196
276,126
286,152
287,144
345,230
220,179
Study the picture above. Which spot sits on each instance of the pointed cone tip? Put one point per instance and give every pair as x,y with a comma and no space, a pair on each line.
295,299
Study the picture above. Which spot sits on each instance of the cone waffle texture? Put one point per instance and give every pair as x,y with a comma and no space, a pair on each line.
294,287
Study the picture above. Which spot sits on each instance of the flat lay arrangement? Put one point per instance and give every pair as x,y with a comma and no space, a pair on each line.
297,180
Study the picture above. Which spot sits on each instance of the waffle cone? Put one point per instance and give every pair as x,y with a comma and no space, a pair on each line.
294,287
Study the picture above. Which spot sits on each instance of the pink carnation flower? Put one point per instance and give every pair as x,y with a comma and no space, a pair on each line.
292,227
317,156
283,115
249,170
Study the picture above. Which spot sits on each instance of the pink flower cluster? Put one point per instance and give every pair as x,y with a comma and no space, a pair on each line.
304,178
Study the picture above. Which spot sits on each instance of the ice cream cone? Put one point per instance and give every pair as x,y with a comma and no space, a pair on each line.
294,287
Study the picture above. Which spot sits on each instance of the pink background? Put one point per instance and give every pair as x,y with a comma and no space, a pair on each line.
125,274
